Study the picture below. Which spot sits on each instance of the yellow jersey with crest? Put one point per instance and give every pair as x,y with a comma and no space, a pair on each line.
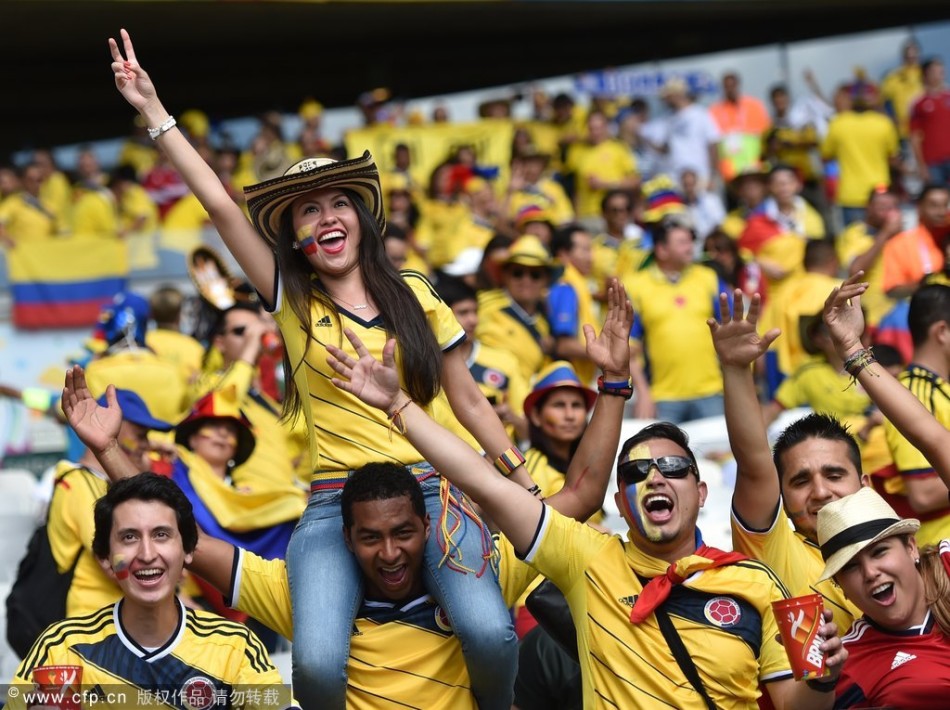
796,560
207,658
504,325
723,616
401,654
346,433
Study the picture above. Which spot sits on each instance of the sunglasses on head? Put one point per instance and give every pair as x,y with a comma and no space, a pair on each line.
534,274
237,330
637,470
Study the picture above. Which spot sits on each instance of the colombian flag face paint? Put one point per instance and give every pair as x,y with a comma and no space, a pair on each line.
633,496
306,240
120,567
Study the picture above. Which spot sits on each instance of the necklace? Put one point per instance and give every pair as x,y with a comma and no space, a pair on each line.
354,306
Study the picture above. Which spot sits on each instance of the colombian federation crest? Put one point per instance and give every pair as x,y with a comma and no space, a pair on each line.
722,612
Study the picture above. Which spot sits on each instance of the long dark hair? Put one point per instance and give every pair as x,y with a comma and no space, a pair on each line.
399,309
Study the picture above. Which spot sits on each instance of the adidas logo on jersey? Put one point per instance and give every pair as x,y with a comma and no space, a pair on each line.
901,658
628,601
324,322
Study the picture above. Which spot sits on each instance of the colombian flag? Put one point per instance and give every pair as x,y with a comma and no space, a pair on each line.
62,283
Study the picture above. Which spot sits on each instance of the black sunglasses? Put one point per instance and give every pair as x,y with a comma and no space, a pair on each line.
237,330
637,470
535,274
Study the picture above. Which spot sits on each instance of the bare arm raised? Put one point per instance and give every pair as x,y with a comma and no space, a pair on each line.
738,345
512,507
845,322
251,252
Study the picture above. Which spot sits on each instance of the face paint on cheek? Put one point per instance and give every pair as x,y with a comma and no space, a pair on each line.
633,496
120,567
306,240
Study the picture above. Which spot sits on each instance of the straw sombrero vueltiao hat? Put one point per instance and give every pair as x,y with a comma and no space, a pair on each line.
848,525
266,201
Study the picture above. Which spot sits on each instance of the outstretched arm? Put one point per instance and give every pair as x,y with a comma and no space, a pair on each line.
846,324
738,345
251,252
511,506
97,427
589,472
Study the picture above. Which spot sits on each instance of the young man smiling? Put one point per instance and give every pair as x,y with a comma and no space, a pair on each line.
815,461
148,645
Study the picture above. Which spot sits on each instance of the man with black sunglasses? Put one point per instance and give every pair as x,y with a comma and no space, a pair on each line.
240,340
661,619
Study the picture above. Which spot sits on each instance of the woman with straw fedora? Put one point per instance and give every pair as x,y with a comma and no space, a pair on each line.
899,651
314,252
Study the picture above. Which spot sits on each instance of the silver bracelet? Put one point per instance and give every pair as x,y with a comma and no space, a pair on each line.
166,126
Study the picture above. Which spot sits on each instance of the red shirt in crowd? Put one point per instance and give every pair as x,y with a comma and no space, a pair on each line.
930,116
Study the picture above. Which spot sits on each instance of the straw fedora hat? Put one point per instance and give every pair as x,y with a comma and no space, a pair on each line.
267,201
848,525
528,250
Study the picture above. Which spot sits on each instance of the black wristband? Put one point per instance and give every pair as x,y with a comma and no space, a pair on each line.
822,686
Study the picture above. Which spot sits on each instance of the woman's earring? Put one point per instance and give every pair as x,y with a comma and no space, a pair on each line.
231,463
296,246
917,561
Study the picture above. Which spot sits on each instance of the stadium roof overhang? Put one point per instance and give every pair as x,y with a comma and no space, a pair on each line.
234,58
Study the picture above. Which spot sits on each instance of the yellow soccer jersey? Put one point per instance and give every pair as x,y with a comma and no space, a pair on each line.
899,88
96,215
183,224
27,219
629,665
70,531
498,375
854,241
346,432
206,658
549,478
157,382
934,394
57,194
468,233
863,144
796,560
179,349
502,324
670,319
400,656
615,258
279,443
438,222
548,194
609,161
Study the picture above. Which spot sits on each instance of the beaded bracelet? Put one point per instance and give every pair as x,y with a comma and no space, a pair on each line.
509,460
616,389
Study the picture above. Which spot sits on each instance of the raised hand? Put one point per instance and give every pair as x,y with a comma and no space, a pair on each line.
843,315
96,426
369,380
736,341
130,79
610,350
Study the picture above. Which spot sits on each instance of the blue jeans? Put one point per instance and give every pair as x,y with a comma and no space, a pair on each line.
684,410
326,589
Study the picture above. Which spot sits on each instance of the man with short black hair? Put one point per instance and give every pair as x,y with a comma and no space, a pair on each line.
815,461
147,645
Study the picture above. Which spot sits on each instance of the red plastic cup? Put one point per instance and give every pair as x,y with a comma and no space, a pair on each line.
58,686
799,619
